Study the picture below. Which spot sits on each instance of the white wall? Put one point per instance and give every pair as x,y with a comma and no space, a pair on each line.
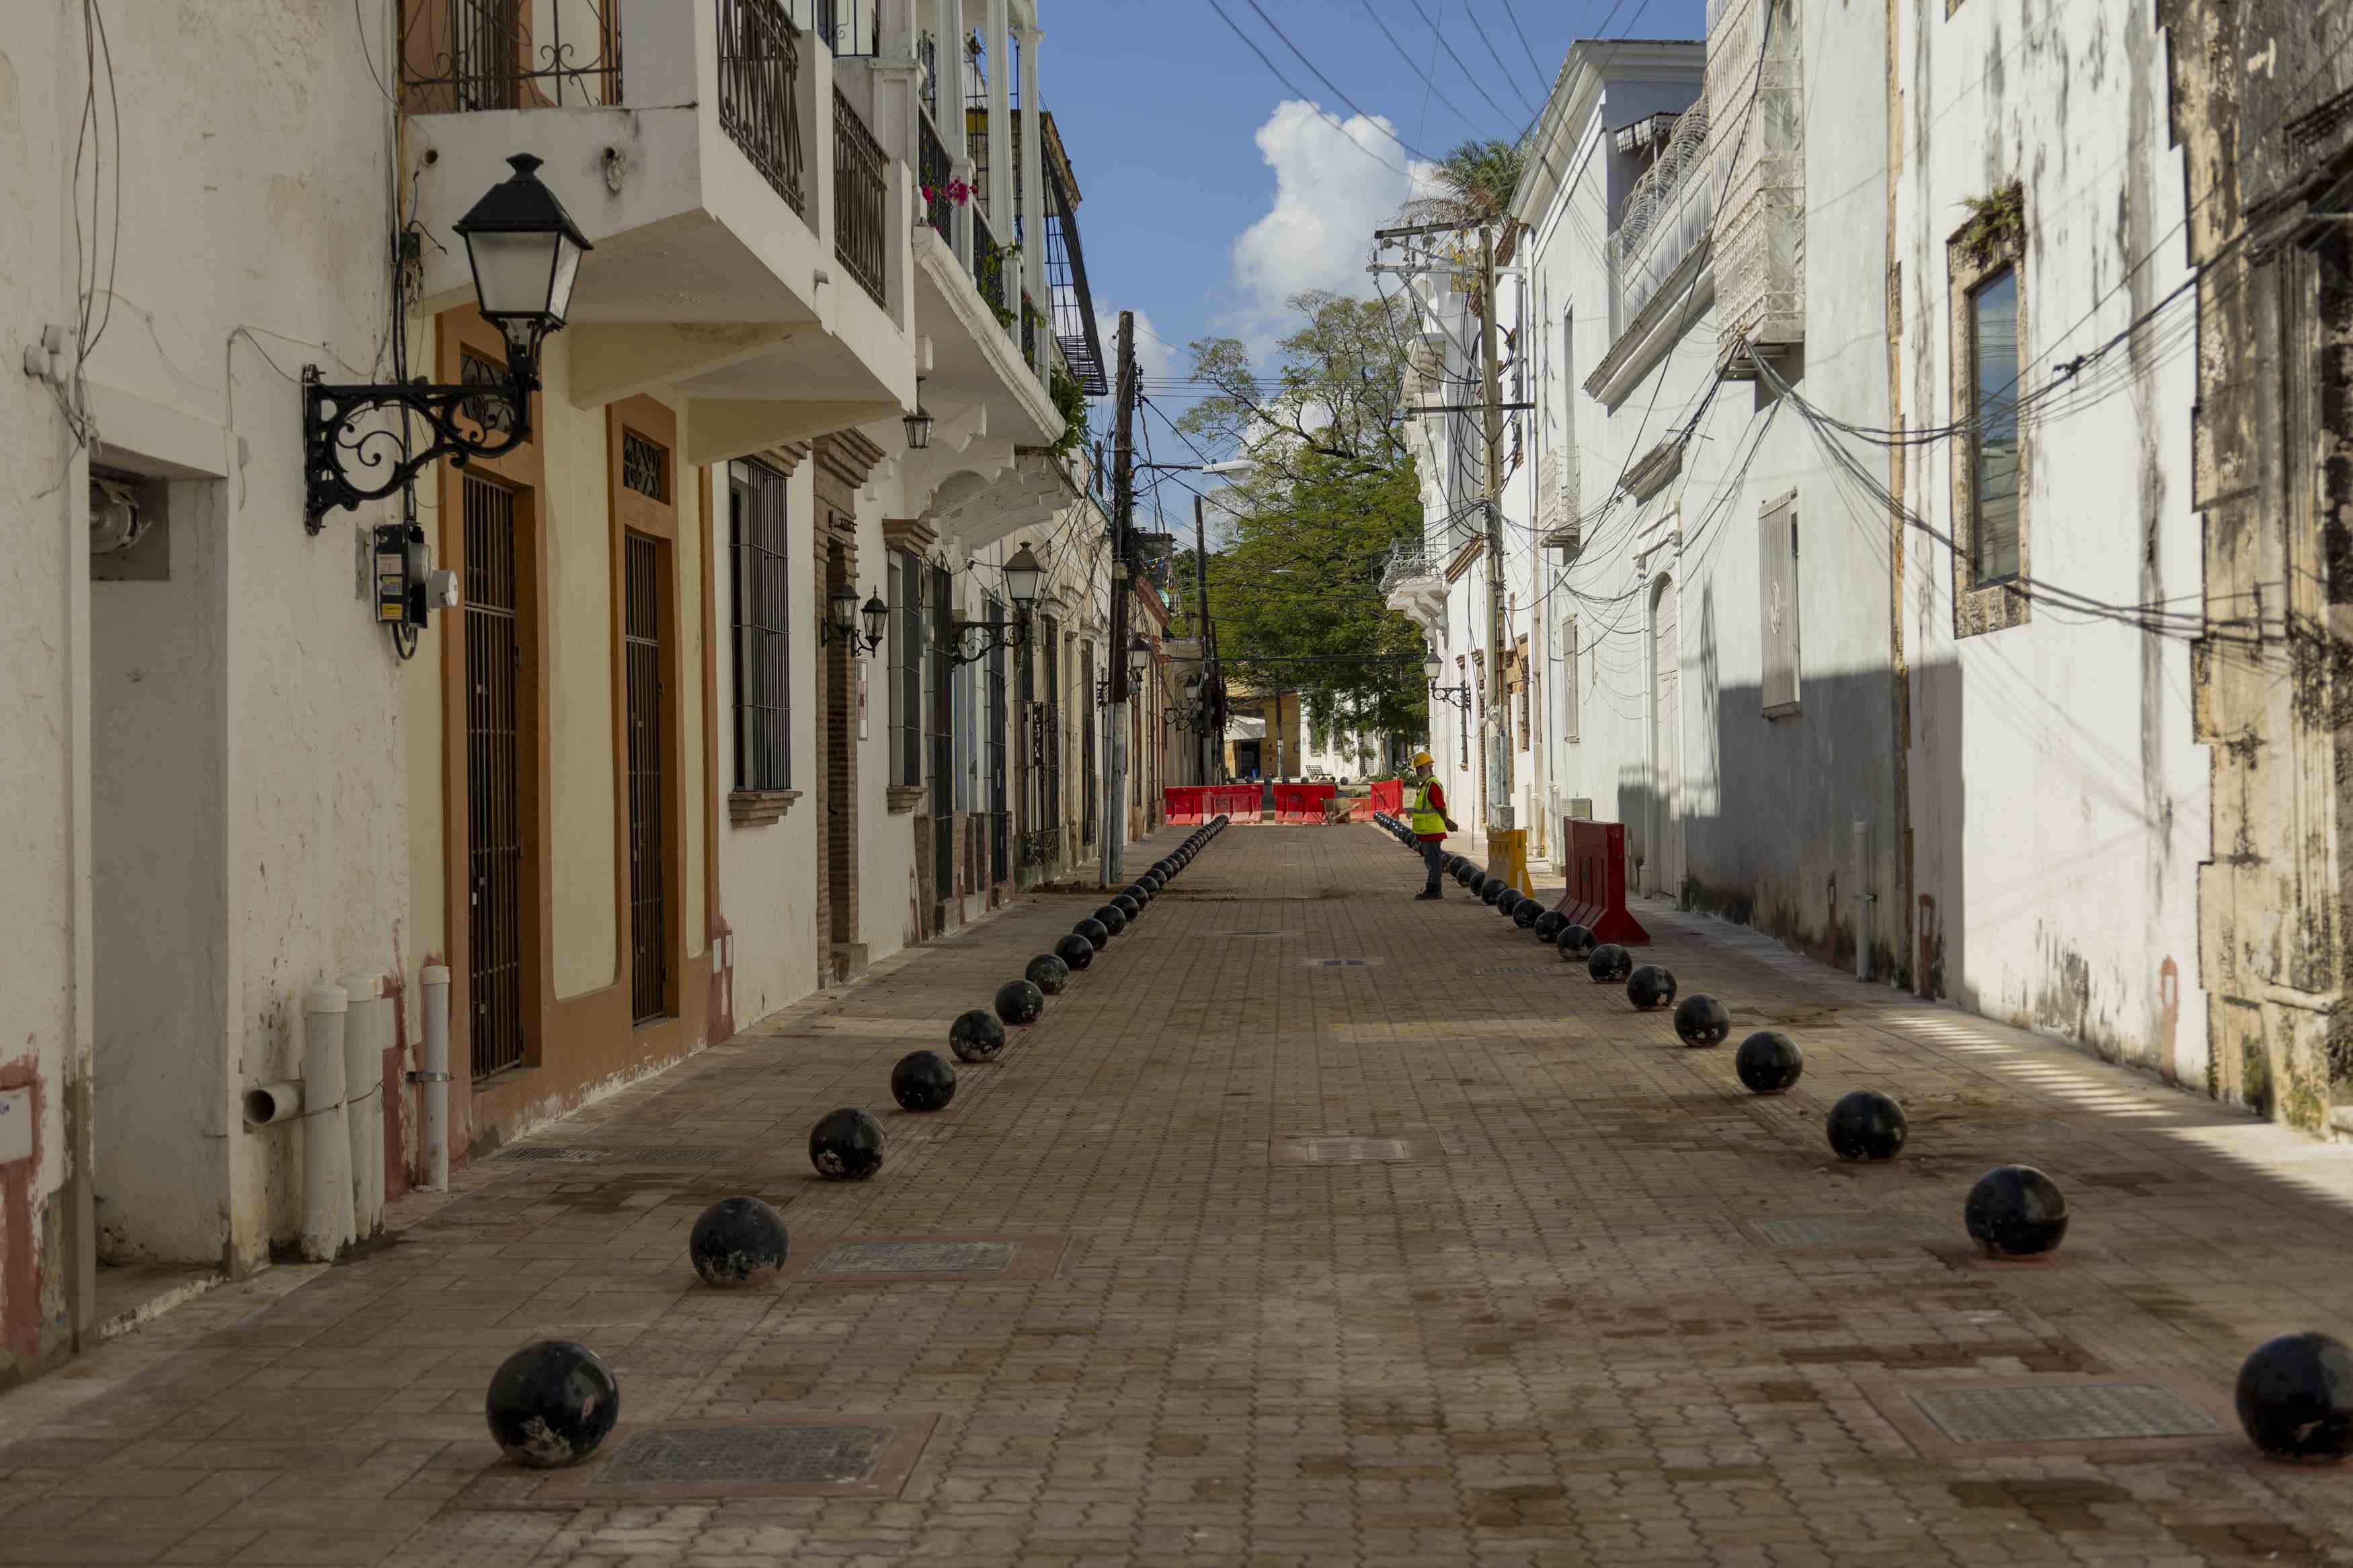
2060,804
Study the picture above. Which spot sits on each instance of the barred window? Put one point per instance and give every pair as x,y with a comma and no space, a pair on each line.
906,668
763,616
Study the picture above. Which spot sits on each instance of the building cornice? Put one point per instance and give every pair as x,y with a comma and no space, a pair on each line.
1688,292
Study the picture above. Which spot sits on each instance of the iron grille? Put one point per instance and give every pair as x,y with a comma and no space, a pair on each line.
849,28
927,56
1087,783
935,171
644,467
759,91
491,415
1051,817
943,737
1000,818
1073,303
493,792
987,266
907,670
649,890
763,583
467,55
861,190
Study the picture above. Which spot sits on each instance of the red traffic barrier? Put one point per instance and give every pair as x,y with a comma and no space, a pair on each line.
1186,804
1596,896
1388,796
1302,803
1239,801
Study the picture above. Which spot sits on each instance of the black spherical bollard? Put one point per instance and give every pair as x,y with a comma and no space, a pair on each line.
2295,1398
846,1145
737,1243
1493,893
1768,1062
1048,974
1113,919
922,1082
1529,912
1097,934
1477,883
1651,986
1140,891
1576,942
976,1036
1701,1020
1130,910
2015,1211
1075,952
1609,963
551,1402
1018,1003
1549,925
1867,1125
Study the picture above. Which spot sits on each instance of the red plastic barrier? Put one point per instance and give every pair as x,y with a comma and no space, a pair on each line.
1389,795
1302,803
1595,897
1361,809
1239,801
1187,805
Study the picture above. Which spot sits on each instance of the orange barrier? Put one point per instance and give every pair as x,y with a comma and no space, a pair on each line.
1389,795
1302,803
1187,805
1239,801
1595,897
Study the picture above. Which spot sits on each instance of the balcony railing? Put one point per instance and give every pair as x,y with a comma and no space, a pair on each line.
1665,220
987,264
759,92
461,54
1407,562
862,195
848,27
933,172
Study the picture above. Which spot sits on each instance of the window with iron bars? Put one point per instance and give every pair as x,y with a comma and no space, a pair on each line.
762,622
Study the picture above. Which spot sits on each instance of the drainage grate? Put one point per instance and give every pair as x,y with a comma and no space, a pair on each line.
1337,1151
1527,969
2068,1413
584,1154
749,1456
1340,963
915,1258
1839,1230
1255,933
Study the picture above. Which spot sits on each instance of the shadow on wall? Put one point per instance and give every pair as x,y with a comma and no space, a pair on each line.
1766,821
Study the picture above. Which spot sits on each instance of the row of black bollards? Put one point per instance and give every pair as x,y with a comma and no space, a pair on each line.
2295,1392
552,1401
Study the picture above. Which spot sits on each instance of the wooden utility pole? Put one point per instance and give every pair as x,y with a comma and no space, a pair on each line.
1499,763
1201,631
1123,514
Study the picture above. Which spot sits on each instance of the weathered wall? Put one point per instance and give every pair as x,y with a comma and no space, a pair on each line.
2058,799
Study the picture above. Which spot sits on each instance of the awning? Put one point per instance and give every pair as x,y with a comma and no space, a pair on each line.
1246,727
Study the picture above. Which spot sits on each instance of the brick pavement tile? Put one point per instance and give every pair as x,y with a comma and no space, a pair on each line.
1606,1309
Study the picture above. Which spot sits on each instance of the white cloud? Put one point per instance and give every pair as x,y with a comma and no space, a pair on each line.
1332,187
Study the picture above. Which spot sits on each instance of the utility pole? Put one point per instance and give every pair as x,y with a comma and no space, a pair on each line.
1122,513
1499,765
1202,578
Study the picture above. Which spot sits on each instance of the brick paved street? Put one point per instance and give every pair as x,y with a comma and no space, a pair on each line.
1605,1309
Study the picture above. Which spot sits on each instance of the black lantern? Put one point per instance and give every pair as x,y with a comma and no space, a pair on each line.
918,423
1432,666
1139,655
974,639
525,252
1023,576
843,615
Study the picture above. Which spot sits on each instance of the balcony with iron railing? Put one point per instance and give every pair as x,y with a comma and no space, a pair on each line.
1414,583
721,177
1665,220
1754,78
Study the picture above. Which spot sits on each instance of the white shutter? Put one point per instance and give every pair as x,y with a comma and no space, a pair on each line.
1777,545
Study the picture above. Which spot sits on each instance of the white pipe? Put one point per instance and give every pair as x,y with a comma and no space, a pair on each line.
326,1147
269,1103
435,1077
362,1112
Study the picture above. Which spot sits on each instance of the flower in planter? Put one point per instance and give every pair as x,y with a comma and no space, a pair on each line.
955,191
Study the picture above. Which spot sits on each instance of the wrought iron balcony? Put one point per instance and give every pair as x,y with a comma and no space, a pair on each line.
461,54
1760,261
1665,220
933,170
1407,562
861,196
759,92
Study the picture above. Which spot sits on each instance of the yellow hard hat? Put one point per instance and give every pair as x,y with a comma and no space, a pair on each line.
1422,760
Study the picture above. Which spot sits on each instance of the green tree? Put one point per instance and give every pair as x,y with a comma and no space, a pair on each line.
1297,575
1473,182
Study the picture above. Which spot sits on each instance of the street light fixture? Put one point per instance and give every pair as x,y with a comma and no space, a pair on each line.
918,423
1023,576
524,251
859,626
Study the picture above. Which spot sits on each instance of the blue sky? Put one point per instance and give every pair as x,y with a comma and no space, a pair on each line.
1205,199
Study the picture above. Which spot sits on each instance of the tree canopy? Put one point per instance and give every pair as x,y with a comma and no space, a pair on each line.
1297,575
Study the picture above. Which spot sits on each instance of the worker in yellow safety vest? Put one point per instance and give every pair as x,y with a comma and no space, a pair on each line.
1430,822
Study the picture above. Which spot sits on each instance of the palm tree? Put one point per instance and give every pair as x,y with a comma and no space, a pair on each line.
1473,184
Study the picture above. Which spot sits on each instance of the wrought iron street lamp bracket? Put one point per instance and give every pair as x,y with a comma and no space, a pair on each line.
994,634
347,462
1456,696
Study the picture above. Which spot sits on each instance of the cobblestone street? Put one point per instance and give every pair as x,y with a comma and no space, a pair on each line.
1323,1226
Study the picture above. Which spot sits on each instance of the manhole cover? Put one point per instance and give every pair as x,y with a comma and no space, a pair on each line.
2065,1413
915,1258
584,1154
749,1456
1336,1151
1837,1230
